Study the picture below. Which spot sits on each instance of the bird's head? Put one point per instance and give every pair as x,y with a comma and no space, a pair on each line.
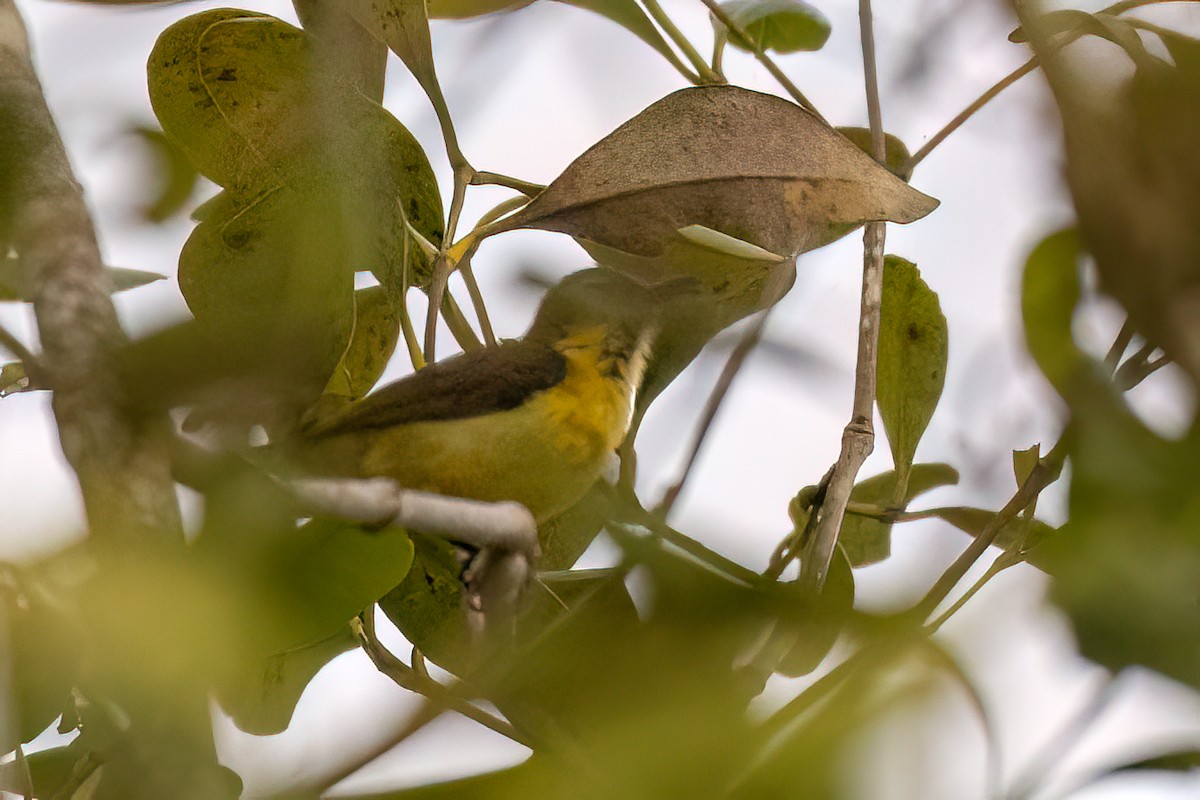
608,303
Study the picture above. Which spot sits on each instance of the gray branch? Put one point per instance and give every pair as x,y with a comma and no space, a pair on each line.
121,464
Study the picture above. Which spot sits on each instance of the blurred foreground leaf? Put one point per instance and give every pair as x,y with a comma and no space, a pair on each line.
12,280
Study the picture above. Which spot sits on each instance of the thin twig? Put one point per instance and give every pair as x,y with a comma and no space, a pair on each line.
485,323
1055,751
15,346
705,73
1043,474
438,699
746,41
968,112
495,178
682,541
733,365
858,439
1113,358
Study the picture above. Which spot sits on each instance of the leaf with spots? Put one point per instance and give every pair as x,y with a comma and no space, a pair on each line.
912,360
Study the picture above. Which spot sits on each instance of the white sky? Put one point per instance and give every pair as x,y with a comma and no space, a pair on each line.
532,90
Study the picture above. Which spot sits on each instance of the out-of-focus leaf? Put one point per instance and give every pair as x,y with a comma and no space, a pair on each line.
1049,294
818,624
1178,761
868,540
913,346
1106,26
48,769
12,282
262,699
45,646
1126,565
1134,174
896,153
268,270
564,537
13,379
523,781
376,332
178,176
749,165
785,26
1018,535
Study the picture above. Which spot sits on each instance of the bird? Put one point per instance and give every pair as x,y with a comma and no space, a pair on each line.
534,420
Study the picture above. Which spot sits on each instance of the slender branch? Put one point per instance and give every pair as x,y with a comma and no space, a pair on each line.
858,439
1043,474
1113,358
485,323
668,26
439,698
494,178
746,41
968,112
737,358
15,346
1055,751
682,541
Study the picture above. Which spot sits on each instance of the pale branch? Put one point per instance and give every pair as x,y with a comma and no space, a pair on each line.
502,536
746,41
733,366
858,439
122,464
516,184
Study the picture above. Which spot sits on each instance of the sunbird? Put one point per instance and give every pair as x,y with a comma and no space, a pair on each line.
535,420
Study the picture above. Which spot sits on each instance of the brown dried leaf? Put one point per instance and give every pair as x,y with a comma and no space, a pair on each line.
749,165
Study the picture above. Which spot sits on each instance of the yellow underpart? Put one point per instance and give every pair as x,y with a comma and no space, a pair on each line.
545,453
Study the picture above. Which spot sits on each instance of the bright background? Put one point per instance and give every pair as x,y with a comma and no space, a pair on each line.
529,92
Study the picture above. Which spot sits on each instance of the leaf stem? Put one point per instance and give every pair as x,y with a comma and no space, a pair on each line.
668,26
737,358
496,179
746,41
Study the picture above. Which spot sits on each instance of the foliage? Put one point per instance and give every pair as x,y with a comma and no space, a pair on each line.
714,188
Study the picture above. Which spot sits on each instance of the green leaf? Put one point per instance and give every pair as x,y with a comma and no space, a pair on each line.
896,152
1049,294
232,88
912,359
1024,462
265,271
13,379
177,175
49,770
464,9
263,698
818,624
45,650
1178,761
12,279
785,26
1018,535
866,540
1126,565
376,332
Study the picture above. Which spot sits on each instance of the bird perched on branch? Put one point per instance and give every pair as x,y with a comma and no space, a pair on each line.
534,420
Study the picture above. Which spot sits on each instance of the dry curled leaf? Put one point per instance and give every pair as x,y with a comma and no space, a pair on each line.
751,166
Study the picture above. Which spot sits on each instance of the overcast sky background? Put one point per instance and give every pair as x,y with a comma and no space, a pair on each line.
530,91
